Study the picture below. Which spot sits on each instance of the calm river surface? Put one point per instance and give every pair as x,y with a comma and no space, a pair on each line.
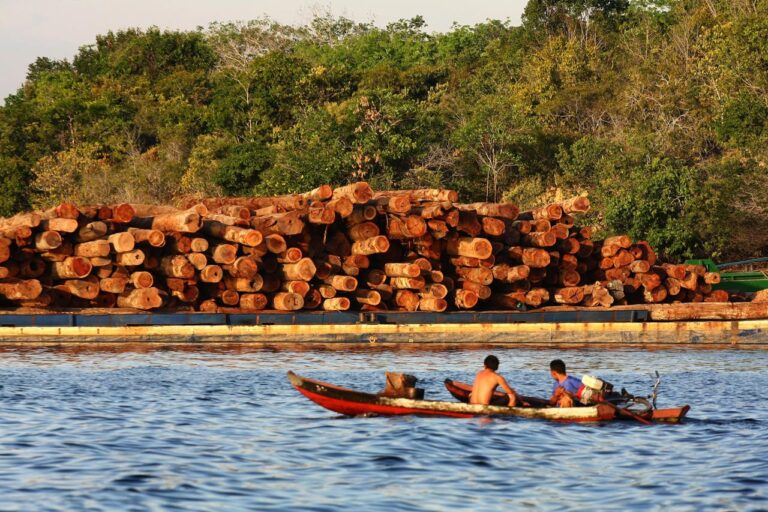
223,430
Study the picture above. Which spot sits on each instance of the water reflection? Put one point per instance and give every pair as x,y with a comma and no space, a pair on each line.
220,428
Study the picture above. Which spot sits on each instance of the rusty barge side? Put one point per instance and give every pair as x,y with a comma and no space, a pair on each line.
670,325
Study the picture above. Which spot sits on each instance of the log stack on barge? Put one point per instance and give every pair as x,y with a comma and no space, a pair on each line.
348,264
334,250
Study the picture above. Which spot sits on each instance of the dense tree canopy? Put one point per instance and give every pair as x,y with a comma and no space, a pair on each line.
656,108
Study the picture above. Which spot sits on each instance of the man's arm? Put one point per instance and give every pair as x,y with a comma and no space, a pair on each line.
513,398
555,398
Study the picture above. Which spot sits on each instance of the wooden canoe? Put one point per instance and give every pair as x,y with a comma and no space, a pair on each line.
356,403
461,392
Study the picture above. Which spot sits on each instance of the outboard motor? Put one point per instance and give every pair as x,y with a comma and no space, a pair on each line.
594,390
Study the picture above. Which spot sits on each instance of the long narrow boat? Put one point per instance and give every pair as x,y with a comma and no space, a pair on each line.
461,391
356,403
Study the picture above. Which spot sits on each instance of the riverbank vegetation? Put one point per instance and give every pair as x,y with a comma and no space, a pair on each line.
656,108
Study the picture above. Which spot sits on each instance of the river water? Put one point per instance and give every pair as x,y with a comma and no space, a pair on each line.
223,430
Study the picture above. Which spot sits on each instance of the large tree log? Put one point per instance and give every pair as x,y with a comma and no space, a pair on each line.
342,206
336,304
19,289
153,237
411,226
286,224
28,220
342,283
243,267
46,241
579,204
211,274
298,287
130,259
286,301
59,224
511,274
504,210
358,193
114,284
433,304
530,256
569,295
466,299
303,270
407,300
176,266
142,279
94,249
232,211
479,275
370,297
253,301
224,254
122,242
402,270
363,231
142,298
71,268
472,247
184,222
427,194
413,283
321,193
198,260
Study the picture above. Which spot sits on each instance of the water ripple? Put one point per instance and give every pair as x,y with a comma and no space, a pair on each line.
222,430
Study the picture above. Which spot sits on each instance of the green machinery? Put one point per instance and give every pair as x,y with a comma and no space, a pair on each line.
745,281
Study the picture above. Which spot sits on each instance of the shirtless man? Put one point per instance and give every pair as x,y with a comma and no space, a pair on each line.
486,381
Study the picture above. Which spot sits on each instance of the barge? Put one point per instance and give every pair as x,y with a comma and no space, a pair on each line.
705,325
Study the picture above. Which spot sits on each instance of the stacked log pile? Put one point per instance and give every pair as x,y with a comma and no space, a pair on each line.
345,249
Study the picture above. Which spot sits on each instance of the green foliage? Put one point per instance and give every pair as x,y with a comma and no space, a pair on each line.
654,203
744,121
239,170
656,108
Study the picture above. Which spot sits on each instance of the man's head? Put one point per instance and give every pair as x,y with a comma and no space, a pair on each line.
557,367
492,363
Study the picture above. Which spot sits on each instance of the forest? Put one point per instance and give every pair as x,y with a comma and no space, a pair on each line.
657,109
